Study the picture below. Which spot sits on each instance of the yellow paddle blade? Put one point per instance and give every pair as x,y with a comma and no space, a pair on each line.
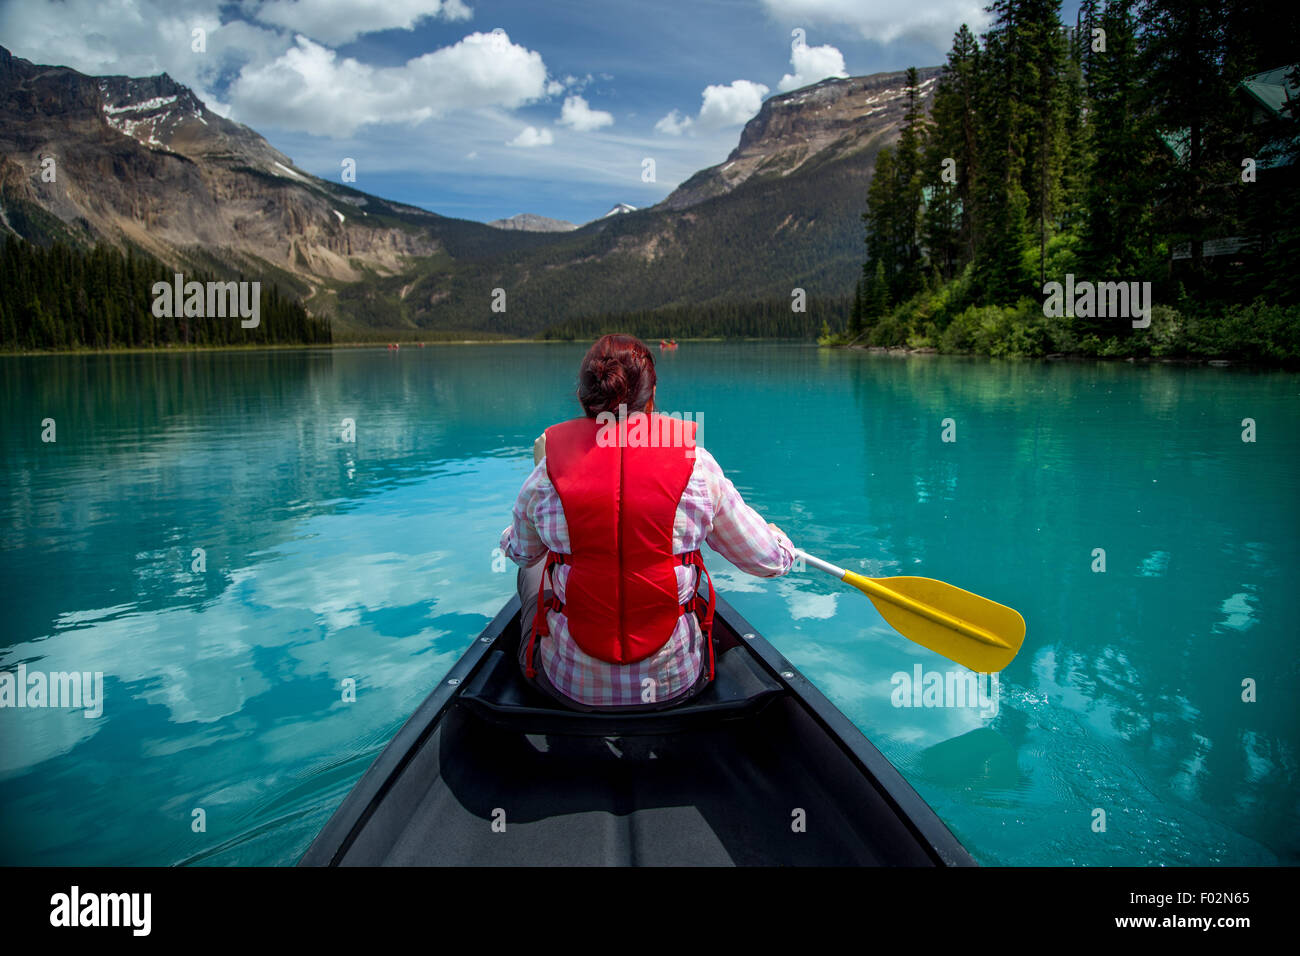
971,630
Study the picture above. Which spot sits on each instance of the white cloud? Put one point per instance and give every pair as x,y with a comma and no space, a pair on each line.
932,21
310,88
147,37
339,21
674,124
531,136
811,65
804,605
583,118
720,107
285,82
730,105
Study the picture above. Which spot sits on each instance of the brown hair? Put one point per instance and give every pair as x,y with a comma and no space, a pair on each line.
617,370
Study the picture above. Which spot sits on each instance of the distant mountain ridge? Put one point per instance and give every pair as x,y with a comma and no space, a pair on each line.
142,161
528,222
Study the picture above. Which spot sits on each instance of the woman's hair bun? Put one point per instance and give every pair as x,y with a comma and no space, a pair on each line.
617,370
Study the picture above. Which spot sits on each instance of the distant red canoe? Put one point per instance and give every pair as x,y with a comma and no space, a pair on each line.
663,344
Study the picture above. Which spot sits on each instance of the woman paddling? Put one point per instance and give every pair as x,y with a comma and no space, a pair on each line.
607,531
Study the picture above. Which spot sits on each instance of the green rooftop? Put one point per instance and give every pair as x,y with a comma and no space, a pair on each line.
1273,89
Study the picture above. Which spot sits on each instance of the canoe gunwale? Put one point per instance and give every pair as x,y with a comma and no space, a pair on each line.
919,817
351,816
336,838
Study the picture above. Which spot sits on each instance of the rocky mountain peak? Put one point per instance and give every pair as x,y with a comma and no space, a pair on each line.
143,160
820,123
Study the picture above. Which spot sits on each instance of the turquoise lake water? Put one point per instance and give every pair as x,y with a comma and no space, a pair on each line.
327,560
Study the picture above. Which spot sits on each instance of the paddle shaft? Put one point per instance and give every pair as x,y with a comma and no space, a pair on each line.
875,589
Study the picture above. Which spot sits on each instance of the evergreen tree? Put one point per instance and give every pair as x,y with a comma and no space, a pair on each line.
907,193
1040,52
951,158
1117,240
895,201
1000,204
882,247
876,297
1186,93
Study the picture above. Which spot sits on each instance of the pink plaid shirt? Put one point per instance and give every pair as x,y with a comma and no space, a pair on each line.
710,510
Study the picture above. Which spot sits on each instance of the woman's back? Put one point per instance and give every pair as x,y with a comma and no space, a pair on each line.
614,527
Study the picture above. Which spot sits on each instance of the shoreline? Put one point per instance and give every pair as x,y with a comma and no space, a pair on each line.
278,347
896,351
902,351
283,346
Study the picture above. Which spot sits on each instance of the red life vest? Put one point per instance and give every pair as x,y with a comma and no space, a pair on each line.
620,501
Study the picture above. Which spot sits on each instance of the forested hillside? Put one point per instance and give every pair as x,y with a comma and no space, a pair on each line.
62,296
1152,141
763,318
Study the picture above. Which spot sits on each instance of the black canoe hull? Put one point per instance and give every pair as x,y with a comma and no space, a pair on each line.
766,771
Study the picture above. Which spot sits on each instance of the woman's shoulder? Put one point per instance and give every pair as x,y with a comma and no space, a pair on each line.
707,479
705,462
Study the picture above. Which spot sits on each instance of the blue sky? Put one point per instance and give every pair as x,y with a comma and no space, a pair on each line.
485,109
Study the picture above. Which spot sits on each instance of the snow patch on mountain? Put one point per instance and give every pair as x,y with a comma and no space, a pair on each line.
150,104
290,172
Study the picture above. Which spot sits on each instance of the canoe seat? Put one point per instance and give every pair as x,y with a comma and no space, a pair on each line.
498,694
